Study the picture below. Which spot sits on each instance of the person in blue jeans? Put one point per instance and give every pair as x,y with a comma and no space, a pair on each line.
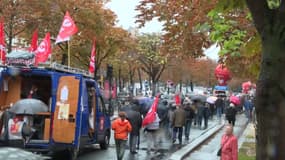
219,107
189,115
248,108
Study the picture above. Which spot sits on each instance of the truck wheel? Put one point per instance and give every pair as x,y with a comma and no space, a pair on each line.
73,153
105,144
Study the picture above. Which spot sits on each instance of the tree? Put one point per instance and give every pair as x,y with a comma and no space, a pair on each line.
269,21
23,16
151,57
179,18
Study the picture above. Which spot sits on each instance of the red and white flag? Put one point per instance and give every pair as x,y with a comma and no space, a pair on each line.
151,114
2,42
92,58
34,42
44,50
177,99
68,28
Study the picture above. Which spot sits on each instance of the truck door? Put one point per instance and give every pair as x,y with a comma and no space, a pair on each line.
64,119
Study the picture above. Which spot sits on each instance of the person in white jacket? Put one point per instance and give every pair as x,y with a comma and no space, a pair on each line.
152,130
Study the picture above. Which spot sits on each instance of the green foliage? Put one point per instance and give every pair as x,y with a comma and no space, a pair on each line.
273,4
150,55
149,48
226,33
226,5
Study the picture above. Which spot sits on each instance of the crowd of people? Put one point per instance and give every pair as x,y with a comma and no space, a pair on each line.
181,117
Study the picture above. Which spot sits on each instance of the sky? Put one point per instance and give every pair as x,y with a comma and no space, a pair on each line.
125,11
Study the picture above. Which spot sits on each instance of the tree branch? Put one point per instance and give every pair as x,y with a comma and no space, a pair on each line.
160,72
260,13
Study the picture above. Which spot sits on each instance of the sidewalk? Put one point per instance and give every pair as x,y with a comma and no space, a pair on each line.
209,150
247,144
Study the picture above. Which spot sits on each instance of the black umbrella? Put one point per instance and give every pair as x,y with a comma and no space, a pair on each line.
29,106
200,98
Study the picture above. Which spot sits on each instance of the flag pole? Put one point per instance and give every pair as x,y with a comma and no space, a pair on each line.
68,52
1,56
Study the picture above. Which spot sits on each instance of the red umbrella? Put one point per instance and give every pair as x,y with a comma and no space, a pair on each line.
235,100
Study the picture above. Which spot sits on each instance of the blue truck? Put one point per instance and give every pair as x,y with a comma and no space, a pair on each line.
75,114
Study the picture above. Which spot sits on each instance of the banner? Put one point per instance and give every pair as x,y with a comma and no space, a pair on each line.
34,42
67,29
43,50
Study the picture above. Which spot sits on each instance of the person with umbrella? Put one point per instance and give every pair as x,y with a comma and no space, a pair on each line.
231,114
219,107
135,119
189,115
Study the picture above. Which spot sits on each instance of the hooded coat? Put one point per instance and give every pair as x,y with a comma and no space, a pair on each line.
229,147
121,128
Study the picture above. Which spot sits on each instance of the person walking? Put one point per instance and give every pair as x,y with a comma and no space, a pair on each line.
178,123
189,115
200,113
248,108
206,115
170,120
229,144
121,127
231,114
151,131
219,107
135,119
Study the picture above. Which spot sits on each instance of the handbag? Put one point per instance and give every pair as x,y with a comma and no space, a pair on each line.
219,153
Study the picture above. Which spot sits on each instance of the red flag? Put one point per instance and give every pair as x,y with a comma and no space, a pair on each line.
151,114
67,29
92,58
177,99
2,42
44,50
34,42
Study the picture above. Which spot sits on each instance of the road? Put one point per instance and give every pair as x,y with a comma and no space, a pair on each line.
165,149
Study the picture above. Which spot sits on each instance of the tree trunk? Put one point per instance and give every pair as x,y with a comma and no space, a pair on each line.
153,85
270,100
140,79
120,79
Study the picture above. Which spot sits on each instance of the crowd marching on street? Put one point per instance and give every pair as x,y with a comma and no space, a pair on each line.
176,118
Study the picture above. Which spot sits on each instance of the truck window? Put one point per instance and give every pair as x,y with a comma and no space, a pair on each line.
101,105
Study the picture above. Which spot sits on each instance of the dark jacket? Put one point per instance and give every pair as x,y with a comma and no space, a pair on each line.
135,119
179,117
219,103
189,112
231,113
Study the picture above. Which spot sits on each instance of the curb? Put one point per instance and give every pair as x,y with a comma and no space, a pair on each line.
184,151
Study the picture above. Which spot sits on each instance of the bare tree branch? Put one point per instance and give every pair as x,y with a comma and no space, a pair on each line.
160,72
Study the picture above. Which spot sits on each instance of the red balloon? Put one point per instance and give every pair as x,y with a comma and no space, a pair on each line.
222,74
